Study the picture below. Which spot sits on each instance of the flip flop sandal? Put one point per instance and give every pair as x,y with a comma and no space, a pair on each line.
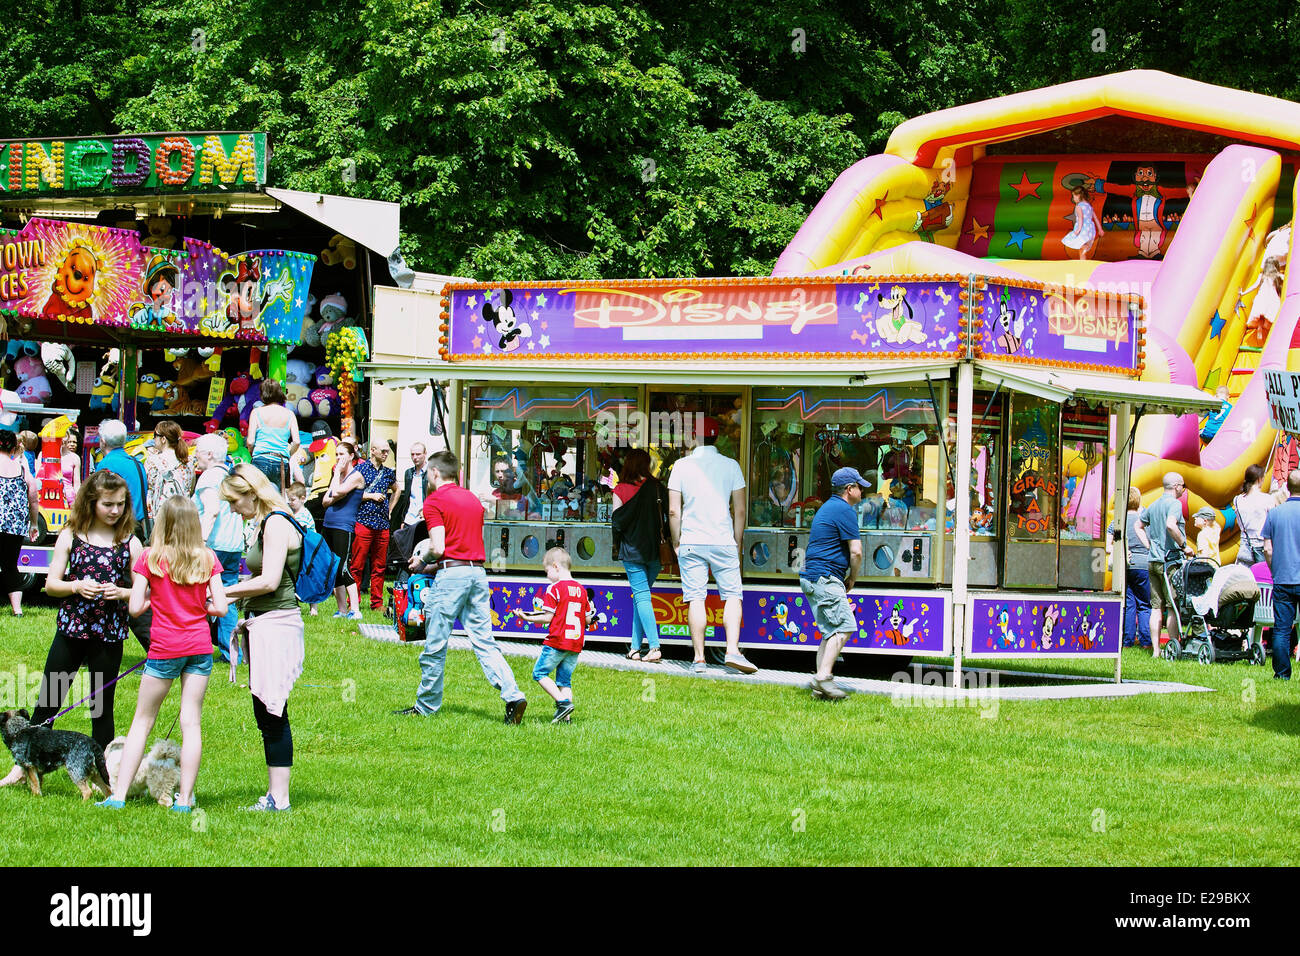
652,657
633,655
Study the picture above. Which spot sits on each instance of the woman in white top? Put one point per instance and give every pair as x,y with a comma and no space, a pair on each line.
273,435
168,471
1252,506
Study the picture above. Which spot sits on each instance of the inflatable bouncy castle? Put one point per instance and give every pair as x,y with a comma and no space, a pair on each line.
1175,190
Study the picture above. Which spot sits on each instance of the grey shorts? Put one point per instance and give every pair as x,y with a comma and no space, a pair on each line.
695,561
832,612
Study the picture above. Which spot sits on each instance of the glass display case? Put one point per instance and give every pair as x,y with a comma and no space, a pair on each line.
1032,492
986,512
799,437
544,460
1084,495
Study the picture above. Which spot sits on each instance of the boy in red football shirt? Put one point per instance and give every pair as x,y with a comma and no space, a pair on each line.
566,608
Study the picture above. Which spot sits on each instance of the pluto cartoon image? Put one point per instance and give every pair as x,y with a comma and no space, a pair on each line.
74,284
898,323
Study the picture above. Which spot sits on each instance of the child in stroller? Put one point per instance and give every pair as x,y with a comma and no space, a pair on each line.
1214,611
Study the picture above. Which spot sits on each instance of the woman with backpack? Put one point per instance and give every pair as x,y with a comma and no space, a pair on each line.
168,472
640,517
272,620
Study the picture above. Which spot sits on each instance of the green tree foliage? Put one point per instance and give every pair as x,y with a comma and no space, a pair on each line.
591,139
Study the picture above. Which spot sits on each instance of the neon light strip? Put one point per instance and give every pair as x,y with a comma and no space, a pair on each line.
806,412
586,396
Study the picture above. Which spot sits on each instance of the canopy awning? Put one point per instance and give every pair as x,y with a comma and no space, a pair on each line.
367,222
1058,385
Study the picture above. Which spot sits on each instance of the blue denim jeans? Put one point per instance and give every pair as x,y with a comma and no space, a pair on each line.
1285,598
640,577
554,659
229,576
1137,608
464,593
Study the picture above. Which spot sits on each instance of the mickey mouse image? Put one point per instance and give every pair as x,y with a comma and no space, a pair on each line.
512,332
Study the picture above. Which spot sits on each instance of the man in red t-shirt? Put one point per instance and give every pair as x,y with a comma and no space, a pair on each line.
460,589
568,611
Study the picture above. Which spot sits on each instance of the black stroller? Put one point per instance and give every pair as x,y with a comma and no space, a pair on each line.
1224,634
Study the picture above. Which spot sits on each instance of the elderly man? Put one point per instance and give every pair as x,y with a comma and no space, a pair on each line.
1163,521
1281,536
223,530
112,440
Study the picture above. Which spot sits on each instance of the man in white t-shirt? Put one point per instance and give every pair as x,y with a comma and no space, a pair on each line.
707,536
415,486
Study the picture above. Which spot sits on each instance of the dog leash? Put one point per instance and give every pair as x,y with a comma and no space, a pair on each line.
91,694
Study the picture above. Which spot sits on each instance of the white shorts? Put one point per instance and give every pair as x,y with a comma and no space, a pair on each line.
695,561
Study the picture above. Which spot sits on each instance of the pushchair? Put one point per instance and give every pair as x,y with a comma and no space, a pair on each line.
1214,610
405,606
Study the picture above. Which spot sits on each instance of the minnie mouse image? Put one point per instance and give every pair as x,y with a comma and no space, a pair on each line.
512,332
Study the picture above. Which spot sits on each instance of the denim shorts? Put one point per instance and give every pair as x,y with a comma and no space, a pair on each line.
170,668
554,659
832,612
695,561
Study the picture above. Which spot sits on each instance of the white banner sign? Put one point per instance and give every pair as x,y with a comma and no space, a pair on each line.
1283,400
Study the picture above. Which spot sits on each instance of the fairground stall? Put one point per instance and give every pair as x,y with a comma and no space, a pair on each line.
118,297
1019,395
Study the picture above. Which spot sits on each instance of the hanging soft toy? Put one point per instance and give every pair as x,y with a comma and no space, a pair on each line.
59,362
17,348
103,396
35,386
340,252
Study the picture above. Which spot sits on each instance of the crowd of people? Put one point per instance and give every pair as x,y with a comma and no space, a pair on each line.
156,548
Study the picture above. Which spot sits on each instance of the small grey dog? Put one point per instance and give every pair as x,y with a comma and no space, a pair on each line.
159,773
42,750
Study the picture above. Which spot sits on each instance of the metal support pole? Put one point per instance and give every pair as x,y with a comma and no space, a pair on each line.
961,512
1119,555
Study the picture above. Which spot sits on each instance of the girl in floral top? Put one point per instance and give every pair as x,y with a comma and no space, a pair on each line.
91,570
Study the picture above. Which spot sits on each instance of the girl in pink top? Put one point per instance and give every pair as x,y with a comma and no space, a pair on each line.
181,579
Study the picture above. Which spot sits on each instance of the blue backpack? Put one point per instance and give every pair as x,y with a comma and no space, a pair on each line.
319,568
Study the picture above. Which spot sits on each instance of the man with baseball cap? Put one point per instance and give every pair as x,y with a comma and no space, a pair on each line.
830,570
706,537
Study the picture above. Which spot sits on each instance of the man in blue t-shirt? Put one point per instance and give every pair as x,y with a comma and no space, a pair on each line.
112,439
830,570
1281,537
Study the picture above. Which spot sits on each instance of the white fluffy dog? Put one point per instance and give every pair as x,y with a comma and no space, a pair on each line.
159,774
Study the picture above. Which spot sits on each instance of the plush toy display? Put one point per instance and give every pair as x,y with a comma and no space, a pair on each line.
341,252
146,392
60,364
298,385
190,370
17,348
103,397
238,448
8,419
160,233
35,386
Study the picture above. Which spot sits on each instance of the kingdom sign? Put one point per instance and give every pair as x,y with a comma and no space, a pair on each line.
152,162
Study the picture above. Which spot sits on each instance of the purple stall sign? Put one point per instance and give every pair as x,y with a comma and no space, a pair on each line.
1059,325
853,317
901,622
1047,624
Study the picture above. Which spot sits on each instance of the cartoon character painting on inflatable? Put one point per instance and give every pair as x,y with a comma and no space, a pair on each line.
1201,233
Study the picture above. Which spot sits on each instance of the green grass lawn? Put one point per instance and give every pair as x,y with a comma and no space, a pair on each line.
687,771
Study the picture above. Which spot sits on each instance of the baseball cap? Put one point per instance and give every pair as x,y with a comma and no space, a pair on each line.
709,427
844,477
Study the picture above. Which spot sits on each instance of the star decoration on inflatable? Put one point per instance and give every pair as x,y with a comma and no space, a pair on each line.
1250,221
1018,238
978,231
1025,187
1216,326
880,204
